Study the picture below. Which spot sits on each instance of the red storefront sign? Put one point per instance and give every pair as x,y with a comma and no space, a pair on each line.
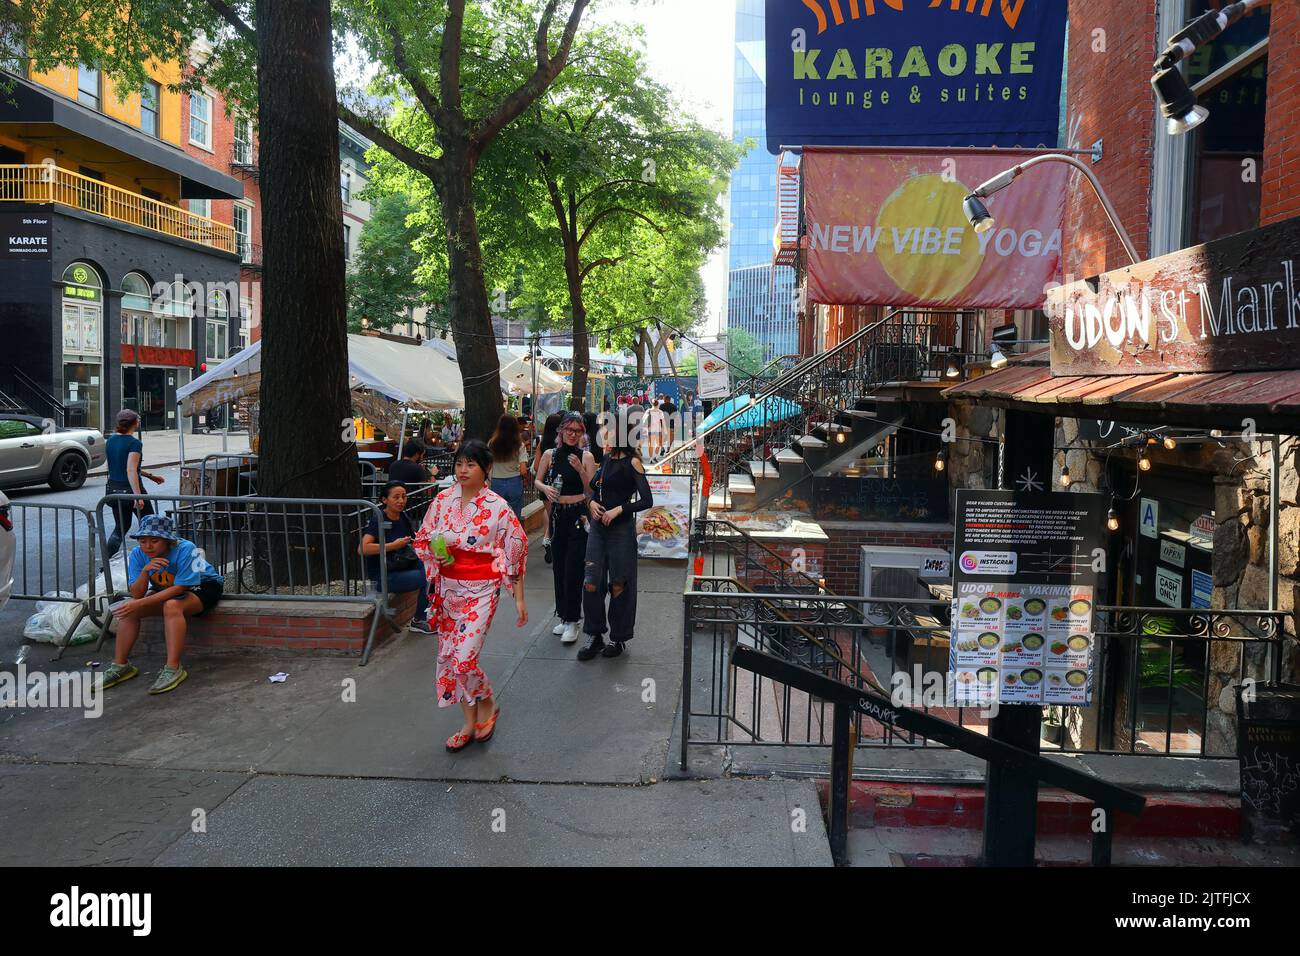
886,227
154,355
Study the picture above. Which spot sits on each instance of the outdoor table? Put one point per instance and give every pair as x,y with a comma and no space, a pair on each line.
374,457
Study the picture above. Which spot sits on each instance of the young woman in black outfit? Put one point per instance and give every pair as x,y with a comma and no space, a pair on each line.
619,490
564,479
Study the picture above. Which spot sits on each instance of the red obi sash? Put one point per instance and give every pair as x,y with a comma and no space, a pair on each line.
470,566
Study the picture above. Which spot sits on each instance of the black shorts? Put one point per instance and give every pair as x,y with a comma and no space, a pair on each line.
209,592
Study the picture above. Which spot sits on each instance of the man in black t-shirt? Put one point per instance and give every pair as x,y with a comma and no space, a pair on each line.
670,418
408,470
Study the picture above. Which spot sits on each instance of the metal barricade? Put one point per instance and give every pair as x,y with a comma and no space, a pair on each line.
56,550
298,549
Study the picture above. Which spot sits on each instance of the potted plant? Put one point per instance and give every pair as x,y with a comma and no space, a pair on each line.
1053,728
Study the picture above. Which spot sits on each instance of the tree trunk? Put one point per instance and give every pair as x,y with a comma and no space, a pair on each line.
581,351
467,301
640,353
304,449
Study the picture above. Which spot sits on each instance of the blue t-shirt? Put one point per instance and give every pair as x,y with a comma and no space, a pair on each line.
118,449
185,567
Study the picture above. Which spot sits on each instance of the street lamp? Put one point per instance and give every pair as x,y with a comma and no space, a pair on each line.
982,220
1177,100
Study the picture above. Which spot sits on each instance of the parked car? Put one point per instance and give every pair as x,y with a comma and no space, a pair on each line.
33,452
7,551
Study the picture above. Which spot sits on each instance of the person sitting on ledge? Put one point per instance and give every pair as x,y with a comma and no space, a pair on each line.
169,577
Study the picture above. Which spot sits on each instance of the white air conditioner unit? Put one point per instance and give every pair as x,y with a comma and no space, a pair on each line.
892,572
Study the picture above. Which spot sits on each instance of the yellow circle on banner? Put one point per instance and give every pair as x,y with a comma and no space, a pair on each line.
914,227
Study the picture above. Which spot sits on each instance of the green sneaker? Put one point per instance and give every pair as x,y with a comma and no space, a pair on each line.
117,673
169,678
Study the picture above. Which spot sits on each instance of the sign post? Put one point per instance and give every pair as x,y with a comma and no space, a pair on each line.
1025,575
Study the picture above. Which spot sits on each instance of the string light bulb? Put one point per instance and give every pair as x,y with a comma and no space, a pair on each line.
1170,443
1112,519
841,437
1144,463
1065,476
941,460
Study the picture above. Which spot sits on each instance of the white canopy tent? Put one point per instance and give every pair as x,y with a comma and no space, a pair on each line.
409,375
516,372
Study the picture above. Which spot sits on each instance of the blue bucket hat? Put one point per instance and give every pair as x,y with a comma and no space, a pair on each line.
156,526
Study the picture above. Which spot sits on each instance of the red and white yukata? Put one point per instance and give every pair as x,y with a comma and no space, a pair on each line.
491,550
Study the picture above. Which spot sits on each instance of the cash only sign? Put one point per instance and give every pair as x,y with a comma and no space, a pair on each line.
1025,577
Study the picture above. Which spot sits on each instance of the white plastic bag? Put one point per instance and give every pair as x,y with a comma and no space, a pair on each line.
53,618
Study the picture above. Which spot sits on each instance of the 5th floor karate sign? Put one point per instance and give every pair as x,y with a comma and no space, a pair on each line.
1228,305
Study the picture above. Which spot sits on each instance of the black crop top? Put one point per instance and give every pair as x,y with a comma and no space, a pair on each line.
560,465
619,484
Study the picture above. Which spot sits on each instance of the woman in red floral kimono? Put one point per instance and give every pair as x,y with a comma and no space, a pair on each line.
486,549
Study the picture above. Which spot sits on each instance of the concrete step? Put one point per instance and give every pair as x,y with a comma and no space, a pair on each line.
1167,814
762,469
719,501
740,485
811,441
861,413
788,456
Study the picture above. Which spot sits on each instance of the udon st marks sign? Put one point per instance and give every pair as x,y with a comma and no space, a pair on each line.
1228,305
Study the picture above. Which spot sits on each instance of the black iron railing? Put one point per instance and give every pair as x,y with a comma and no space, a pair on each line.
902,644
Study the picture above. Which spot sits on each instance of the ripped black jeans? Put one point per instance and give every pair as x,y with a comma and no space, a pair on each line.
611,568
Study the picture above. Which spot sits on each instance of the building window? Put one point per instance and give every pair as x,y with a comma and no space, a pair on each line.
200,207
88,86
245,322
243,141
218,342
345,186
135,292
243,222
347,243
13,51
201,120
83,309
149,99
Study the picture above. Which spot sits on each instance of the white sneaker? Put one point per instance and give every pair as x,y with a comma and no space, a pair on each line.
559,628
570,635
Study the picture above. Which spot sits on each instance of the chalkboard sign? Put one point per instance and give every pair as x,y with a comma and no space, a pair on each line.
1268,745
880,499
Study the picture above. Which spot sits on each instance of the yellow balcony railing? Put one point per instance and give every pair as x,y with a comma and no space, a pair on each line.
50,184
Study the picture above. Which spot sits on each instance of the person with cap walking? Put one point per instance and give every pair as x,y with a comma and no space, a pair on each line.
167,576
564,479
125,476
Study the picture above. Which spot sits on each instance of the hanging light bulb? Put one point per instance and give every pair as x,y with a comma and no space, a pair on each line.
1112,519
841,437
953,371
941,460
1065,476
1144,463
1170,443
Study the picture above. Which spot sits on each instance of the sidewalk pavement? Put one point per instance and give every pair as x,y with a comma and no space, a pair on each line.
162,448
297,773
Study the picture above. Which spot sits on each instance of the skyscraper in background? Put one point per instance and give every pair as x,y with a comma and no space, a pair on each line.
754,303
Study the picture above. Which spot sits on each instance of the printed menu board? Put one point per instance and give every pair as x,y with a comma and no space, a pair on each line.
664,529
1025,581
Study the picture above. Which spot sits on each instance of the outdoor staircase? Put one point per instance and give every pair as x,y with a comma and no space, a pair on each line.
839,417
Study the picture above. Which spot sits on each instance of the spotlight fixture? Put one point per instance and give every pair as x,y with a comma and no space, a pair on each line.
1177,102
1216,432
1065,476
941,460
997,358
1144,463
977,214
1170,443
953,371
1112,519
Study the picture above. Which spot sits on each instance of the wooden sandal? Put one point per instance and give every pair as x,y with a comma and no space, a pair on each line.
458,741
490,725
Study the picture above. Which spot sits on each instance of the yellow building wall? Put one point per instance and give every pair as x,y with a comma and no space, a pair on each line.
63,80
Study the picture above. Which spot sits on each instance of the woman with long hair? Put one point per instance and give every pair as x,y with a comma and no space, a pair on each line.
619,490
593,443
550,432
564,479
509,463
472,545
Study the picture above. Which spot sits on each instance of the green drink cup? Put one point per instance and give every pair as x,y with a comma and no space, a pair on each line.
440,549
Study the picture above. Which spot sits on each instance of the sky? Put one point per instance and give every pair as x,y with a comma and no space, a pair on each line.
689,46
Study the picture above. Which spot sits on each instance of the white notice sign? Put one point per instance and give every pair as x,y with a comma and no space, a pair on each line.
1169,587
1149,517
